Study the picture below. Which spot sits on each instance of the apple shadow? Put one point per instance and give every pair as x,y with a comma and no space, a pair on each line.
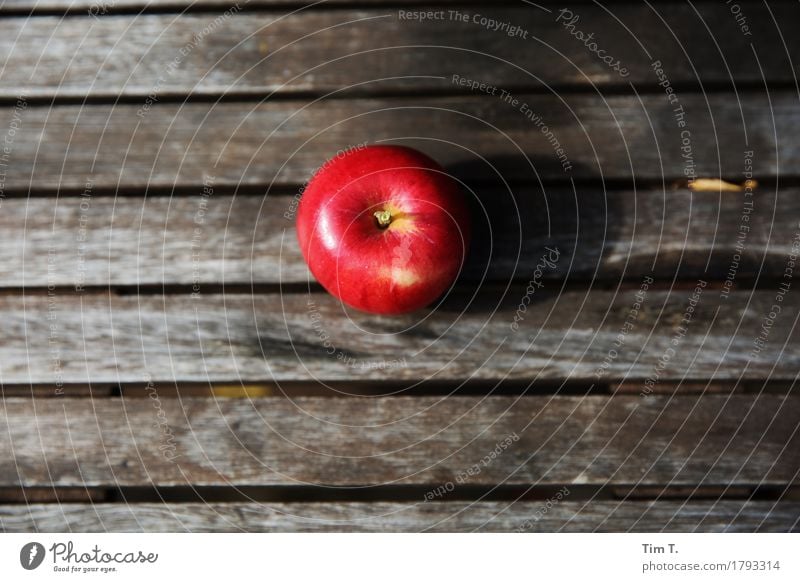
526,229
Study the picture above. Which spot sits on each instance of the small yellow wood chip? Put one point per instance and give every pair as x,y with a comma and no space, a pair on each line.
717,185
241,391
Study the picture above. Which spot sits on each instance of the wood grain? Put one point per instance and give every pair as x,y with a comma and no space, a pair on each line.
107,7
566,516
123,147
53,337
382,50
169,134
613,235
691,440
186,5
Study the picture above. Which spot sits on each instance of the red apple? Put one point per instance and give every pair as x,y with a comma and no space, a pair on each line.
383,228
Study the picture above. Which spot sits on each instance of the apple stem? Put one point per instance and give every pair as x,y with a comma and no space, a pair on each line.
384,217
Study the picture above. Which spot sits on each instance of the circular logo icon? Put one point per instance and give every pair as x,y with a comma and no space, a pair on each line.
31,555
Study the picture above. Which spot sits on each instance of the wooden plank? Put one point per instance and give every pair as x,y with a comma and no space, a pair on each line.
108,7
102,240
261,53
697,440
592,336
566,516
476,138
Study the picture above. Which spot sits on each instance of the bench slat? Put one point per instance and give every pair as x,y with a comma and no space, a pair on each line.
274,143
566,516
592,336
182,5
104,241
593,440
111,6
259,53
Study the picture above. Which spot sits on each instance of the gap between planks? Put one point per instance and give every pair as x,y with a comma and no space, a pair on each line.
360,389
234,96
299,494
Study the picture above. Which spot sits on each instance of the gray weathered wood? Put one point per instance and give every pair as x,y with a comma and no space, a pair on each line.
458,441
566,516
284,142
112,6
108,7
54,337
378,49
101,240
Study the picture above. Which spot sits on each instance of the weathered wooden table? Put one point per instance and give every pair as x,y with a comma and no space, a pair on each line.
620,354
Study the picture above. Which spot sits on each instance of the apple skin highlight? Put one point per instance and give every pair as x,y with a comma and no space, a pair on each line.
384,229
